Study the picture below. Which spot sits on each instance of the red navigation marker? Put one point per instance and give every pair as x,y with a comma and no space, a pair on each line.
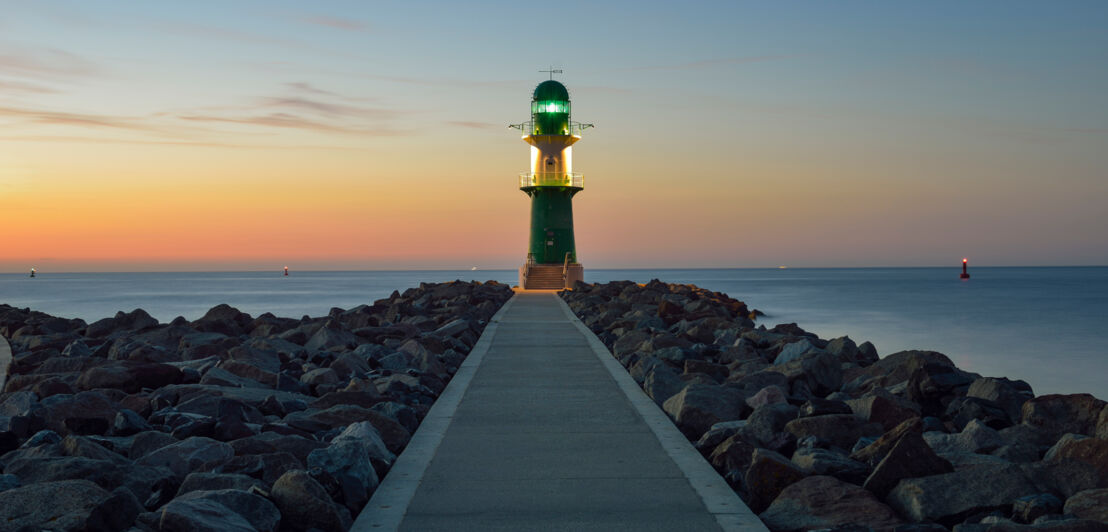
964,275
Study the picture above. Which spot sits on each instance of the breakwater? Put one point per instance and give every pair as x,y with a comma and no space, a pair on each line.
227,422
818,433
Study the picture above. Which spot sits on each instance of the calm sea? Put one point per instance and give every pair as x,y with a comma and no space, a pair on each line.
1042,325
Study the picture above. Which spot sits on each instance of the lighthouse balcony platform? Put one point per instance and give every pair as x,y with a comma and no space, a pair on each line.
573,129
551,179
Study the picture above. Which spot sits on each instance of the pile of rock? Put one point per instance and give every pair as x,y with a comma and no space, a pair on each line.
229,422
815,433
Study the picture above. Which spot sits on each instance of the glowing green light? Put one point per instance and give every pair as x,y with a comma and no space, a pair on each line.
552,108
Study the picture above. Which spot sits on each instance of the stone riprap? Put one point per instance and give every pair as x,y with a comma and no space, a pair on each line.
824,434
229,422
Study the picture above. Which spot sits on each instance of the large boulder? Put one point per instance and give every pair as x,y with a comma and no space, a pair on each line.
393,433
65,505
910,457
768,474
699,406
1009,395
1089,504
353,458
255,509
135,320
304,504
882,407
130,376
1090,451
185,456
661,382
1059,414
201,515
840,430
950,498
975,438
817,461
823,502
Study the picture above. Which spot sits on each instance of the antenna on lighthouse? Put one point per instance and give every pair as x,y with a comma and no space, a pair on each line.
552,71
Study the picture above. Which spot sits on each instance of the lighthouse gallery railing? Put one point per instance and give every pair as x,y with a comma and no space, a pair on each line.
551,179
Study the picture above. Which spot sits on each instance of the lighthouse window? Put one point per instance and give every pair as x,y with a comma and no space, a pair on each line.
548,106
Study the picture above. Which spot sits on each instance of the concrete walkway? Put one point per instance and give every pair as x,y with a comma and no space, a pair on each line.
541,429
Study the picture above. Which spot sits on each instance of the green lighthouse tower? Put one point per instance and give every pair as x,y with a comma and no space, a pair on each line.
551,184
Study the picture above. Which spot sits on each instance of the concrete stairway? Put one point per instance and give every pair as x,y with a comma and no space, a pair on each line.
544,277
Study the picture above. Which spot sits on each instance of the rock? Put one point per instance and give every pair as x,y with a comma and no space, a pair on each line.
8,482
394,435
816,461
910,457
770,395
127,423
185,456
261,514
135,320
221,377
823,502
1009,395
200,515
822,372
766,422
699,406
64,505
821,407
975,438
144,443
931,384
841,430
218,481
266,466
949,498
661,382
796,351
1047,523
1090,451
1102,424
129,376
768,474
1059,414
319,376
1089,504
271,442
1063,442
304,504
732,457
331,335
1029,508
348,462
881,407
717,434
962,410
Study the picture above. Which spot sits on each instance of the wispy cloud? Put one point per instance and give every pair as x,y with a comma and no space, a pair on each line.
474,125
38,116
290,121
44,63
330,109
333,22
15,86
708,63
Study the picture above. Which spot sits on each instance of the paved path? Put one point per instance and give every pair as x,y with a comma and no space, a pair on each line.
541,429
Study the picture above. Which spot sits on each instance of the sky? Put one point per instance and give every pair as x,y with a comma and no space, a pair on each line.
173,136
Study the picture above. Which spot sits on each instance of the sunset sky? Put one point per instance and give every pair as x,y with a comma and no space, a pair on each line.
370,135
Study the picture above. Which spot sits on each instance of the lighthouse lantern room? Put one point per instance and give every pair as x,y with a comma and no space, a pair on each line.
551,184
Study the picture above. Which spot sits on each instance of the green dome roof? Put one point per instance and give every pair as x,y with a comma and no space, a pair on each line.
550,90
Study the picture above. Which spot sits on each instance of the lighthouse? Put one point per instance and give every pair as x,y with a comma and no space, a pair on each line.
551,184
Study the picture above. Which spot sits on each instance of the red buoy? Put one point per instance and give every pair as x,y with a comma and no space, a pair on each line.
964,274
286,271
